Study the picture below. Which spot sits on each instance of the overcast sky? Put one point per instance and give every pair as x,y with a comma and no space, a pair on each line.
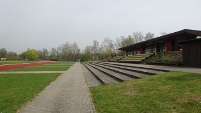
49,23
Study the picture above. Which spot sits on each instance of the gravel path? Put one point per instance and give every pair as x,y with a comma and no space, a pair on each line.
68,94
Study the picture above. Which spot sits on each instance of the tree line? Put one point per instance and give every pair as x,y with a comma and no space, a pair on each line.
71,52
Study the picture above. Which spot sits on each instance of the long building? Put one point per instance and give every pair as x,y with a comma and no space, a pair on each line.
165,43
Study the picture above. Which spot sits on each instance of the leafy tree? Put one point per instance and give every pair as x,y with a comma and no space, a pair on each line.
22,56
86,54
12,56
107,52
32,54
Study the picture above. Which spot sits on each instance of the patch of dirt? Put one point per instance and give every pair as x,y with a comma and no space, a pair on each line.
130,93
197,99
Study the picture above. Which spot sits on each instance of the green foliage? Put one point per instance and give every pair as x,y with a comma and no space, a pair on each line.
32,54
169,92
171,57
86,55
120,53
107,52
17,89
12,56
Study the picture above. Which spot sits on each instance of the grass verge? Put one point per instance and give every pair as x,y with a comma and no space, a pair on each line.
169,92
17,89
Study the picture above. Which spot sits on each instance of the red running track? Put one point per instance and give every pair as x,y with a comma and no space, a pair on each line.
12,66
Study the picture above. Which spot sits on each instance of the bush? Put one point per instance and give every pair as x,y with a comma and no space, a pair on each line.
171,57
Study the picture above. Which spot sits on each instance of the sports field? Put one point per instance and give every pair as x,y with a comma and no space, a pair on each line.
17,89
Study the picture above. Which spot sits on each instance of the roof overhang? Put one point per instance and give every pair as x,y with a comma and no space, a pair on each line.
187,33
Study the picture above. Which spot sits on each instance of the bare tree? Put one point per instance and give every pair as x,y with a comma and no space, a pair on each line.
107,44
163,33
59,50
3,53
107,47
43,54
74,51
138,37
123,41
95,49
54,54
149,36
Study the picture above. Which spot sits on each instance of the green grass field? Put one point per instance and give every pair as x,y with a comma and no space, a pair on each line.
172,92
18,89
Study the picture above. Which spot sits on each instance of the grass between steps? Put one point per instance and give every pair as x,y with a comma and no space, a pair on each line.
18,89
168,92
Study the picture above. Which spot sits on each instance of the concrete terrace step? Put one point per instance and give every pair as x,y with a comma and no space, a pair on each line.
134,58
120,77
101,76
90,78
140,70
126,72
139,67
130,61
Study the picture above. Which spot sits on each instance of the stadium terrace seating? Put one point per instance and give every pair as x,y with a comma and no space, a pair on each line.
138,58
115,59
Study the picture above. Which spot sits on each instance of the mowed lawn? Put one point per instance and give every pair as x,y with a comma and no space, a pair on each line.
172,92
17,89
57,66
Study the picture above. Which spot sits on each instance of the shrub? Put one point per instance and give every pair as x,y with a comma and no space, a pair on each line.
171,57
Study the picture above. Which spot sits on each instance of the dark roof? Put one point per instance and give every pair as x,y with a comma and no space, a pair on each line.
187,33
190,41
